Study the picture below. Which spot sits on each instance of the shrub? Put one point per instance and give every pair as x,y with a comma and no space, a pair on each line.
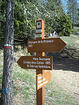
63,26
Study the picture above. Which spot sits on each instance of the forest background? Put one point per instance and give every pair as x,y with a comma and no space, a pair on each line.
59,16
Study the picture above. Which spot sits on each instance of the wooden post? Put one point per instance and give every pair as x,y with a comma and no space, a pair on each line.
40,46
39,92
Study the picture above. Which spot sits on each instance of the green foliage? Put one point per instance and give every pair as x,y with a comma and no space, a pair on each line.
19,20
2,17
26,12
57,20
64,26
25,16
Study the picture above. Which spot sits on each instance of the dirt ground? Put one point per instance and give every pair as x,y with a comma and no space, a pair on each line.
66,75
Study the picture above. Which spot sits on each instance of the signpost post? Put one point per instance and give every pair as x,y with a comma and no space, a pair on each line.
40,45
39,92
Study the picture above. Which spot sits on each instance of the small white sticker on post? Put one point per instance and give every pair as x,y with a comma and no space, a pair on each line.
38,35
39,31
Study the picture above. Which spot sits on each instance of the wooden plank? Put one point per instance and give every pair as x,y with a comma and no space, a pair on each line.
36,62
46,45
44,79
39,26
41,92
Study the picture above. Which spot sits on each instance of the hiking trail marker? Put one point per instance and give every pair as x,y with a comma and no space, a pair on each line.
40,62
44,79
45,45
35,62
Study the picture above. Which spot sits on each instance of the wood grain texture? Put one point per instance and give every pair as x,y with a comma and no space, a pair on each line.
36,62
46,45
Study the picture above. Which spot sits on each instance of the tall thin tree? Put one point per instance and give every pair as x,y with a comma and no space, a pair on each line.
7,84
72,9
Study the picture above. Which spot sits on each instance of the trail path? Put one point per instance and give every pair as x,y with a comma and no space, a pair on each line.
66,75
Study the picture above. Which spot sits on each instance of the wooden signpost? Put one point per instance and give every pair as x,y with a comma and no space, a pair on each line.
40,29
40,45
36,62
44,79
45,45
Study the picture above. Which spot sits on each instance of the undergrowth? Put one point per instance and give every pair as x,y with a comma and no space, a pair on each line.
25,86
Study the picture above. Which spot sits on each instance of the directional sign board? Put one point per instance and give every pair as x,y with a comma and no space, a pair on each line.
46,45
34,62
39,29
40,62
43,79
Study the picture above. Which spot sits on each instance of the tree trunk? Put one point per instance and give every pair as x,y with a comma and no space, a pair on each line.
7,84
